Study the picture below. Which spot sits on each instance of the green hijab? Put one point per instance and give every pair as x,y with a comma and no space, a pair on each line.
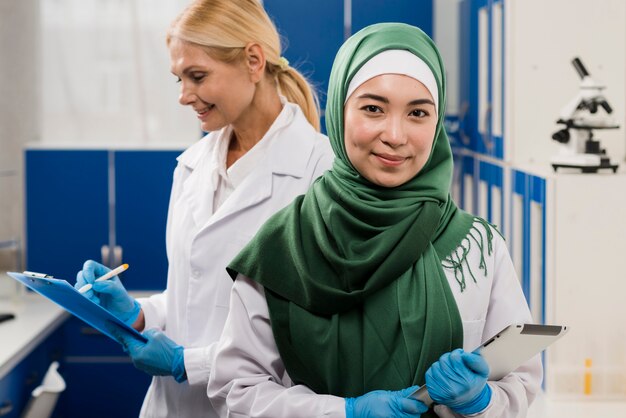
352,271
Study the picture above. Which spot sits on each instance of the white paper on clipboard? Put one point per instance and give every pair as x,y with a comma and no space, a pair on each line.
509,349
63,294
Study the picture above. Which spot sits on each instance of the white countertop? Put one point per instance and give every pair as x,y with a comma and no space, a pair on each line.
547,407
35,318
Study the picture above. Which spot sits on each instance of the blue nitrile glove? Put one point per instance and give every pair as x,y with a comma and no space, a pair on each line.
160,356
385,403
110,294
459,380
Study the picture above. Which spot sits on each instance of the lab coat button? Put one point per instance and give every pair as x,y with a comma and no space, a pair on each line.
196,274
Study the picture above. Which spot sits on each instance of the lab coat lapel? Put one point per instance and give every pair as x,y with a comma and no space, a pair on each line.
199,187
254,189
288,155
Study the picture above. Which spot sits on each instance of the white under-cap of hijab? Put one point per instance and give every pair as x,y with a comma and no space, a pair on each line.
396,61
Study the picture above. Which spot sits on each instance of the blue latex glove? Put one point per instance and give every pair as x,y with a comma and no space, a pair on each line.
384,404
160,356
459,380
110,294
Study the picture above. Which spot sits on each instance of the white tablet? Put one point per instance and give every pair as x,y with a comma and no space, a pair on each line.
509,349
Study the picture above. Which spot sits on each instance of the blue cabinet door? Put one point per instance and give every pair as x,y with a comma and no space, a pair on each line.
312,32
67,208
482,75
100,379
414,12
101,390
491,177
143,181
17,386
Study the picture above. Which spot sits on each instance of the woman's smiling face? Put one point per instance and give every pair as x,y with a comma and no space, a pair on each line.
219,92
389,128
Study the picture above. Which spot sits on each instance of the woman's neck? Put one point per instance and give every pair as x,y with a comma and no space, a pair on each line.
255,122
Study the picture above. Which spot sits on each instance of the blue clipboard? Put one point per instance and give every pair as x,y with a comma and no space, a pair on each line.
63,294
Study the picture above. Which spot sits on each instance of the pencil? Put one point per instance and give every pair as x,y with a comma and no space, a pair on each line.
104,277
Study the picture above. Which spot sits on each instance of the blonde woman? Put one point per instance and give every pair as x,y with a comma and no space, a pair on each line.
263,149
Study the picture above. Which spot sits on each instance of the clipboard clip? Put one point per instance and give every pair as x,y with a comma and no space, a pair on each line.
37,275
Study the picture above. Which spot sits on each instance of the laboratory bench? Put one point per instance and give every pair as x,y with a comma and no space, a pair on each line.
28,344
546,406
90,363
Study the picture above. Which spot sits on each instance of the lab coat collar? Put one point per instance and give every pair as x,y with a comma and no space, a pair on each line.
284,154
288,154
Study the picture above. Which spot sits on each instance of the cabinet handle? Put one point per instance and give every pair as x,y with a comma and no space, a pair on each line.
105,254
31,379
5,408
89,331
117,256
465,139
486,137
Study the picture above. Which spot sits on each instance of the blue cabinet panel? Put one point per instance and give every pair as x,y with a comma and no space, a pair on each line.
468,201
97,372
101,390
466,82
492,175
414,12
312,33
16,387
66,209
143,181
521,187
80,339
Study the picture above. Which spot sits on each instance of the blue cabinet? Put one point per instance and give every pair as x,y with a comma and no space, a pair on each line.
16,387
143,180
79,201
312,34
414,12
106,205
67,208
528,237
482,80
491,193
100,377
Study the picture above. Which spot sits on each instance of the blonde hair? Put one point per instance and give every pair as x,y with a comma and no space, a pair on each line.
225,27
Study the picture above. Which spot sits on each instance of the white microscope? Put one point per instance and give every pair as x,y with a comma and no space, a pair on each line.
578,147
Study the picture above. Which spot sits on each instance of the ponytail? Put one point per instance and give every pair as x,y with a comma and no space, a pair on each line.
296,89
225,27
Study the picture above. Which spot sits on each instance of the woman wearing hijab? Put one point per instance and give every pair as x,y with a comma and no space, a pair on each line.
374,282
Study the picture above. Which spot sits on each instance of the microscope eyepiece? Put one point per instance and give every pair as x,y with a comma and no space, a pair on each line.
580,68
561,136
606,106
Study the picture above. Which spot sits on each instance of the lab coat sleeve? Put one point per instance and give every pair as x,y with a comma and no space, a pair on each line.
198,364
154,310
513,394
248,377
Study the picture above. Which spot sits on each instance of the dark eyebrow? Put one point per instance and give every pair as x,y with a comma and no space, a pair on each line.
374,97
386,101
421,101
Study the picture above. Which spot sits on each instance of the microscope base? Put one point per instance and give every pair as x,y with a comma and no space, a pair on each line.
586,163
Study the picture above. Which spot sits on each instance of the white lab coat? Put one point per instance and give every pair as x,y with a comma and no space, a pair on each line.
200,244
249,378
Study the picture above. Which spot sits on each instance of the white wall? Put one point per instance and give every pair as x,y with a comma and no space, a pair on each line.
19,107
446,36
106,73
545,35
86,72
